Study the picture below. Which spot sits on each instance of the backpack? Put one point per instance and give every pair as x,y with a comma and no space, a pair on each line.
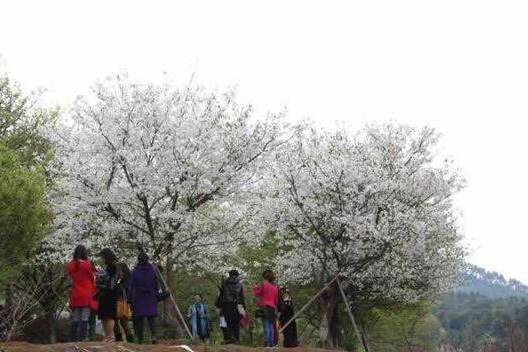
231,292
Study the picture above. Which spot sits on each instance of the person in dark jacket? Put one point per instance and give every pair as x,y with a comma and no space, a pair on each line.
232,305
124,312
144,289
286,310
107,283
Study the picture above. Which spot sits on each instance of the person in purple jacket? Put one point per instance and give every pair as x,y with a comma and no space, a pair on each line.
144,289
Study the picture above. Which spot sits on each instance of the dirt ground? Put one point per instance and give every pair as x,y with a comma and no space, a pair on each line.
163,346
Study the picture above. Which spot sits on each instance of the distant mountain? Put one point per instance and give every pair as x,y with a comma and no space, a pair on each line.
491,284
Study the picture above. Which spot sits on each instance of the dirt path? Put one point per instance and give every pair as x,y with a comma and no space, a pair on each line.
164,346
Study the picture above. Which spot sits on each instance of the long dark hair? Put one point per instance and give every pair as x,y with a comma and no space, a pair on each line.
109,258
80,253
124,271
269,276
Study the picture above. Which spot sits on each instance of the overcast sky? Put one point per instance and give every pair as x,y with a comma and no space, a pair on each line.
460,66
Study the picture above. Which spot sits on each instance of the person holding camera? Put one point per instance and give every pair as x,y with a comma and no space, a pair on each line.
268,295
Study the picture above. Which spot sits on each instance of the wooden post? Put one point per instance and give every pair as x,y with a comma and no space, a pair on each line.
181,315
175,304
307,305
349,310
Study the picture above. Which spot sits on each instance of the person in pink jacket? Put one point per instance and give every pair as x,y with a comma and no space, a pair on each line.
268,295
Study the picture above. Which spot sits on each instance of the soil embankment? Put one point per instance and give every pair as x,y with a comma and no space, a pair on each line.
163,346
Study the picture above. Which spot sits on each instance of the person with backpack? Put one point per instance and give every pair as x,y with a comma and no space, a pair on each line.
232,305
268,296
144,297
199,318
107,282
124,312
82,274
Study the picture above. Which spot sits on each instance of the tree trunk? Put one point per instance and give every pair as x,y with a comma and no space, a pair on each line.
363,331
251,322
329,328
511,336
324,332
52,327
9,296
169,315
169,279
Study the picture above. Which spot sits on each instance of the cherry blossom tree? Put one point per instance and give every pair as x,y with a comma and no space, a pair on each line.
374,207
161,169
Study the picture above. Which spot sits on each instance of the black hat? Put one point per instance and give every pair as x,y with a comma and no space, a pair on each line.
143,258
234,273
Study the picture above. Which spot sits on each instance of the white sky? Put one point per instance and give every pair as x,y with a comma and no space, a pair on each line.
460,66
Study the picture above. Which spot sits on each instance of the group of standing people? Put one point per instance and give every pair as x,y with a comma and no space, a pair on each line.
274,306
115,294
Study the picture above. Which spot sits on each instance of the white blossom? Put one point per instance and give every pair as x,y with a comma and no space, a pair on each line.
162,169
372,206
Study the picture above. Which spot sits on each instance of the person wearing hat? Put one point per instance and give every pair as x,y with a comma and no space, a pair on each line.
233,304
144,288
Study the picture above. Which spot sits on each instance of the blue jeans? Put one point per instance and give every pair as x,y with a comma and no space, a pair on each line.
269,333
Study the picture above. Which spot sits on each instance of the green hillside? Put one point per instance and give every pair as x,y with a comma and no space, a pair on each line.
491,284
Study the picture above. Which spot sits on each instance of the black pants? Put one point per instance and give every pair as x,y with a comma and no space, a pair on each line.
122,324
139,328
290,333
232,317
78,331
224,333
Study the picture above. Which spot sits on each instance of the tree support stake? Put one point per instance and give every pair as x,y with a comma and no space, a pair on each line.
360,337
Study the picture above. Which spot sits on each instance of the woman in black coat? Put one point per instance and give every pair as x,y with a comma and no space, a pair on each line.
287,312
107,284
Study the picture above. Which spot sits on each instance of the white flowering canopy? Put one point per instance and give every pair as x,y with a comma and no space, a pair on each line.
163,169
374,206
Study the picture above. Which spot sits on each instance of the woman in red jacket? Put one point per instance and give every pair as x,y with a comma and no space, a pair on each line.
268,295
82,274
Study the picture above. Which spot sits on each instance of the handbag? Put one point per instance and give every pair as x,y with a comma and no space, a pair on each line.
241,310
223,322
162,293
123,307
123,310
244,322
